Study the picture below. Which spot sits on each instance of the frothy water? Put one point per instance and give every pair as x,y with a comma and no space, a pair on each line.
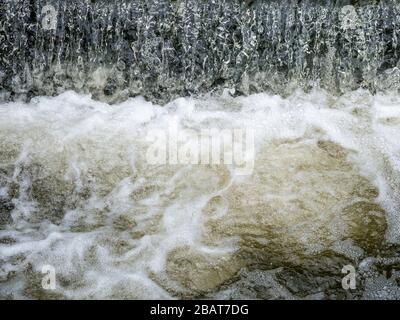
77,193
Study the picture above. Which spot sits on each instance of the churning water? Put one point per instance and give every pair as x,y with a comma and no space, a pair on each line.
77,193
318,85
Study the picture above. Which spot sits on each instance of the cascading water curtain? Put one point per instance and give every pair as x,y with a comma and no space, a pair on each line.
162,49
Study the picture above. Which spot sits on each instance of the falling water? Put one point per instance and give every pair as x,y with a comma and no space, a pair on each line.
163,49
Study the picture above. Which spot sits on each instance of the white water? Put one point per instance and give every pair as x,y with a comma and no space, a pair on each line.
85,200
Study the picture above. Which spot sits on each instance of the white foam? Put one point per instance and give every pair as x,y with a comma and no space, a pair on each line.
92,144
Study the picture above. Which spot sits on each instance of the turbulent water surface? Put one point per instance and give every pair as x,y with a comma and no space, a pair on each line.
77,193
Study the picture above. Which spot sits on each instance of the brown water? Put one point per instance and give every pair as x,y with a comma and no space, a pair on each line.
78,193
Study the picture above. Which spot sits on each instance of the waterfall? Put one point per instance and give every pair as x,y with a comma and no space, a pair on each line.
163,49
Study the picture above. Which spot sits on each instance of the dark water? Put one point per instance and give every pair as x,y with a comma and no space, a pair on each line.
164,49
